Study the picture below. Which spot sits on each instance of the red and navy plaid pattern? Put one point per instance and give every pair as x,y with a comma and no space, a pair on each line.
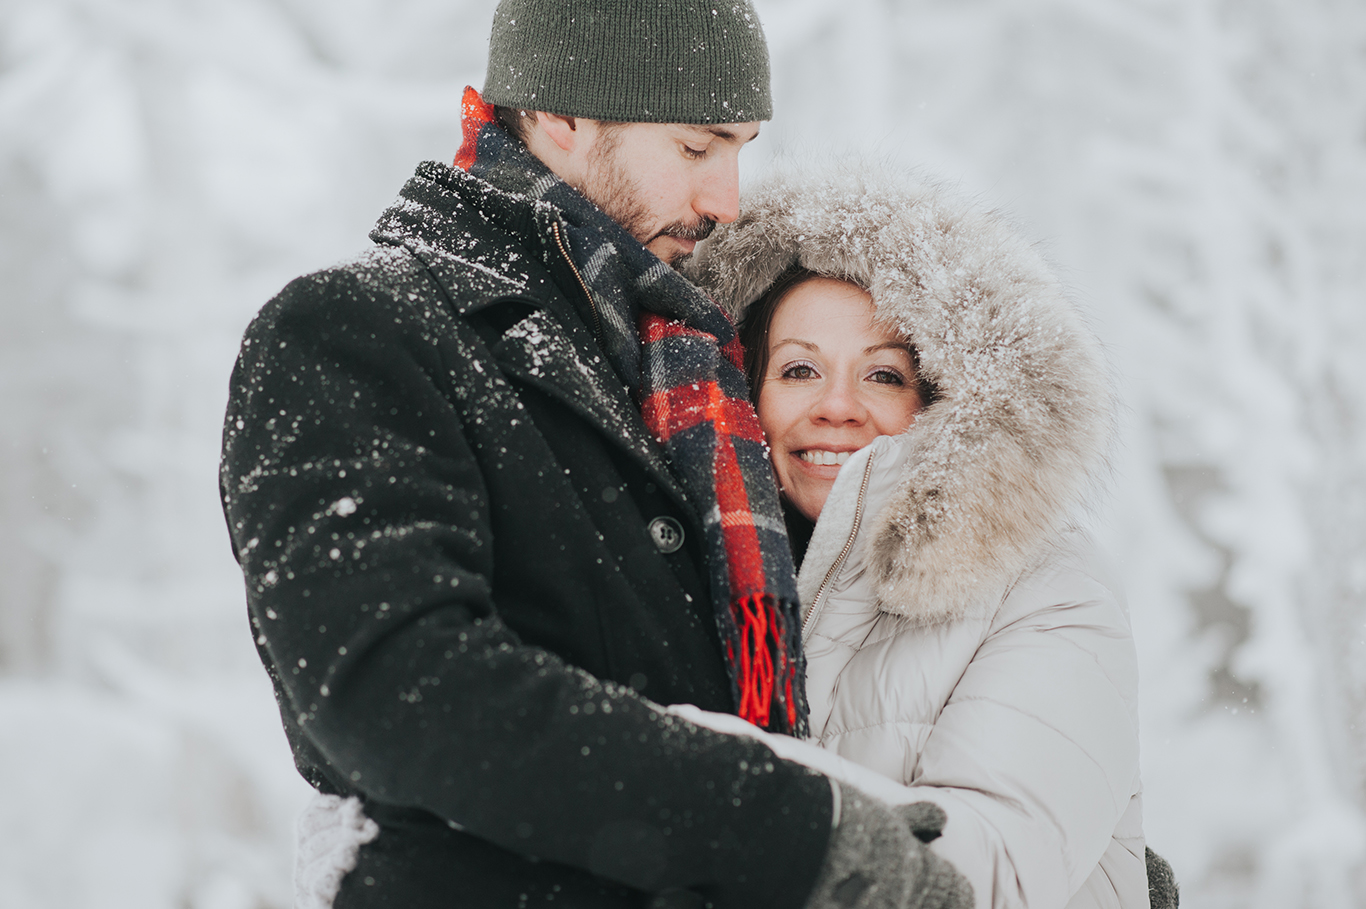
679,354
711,432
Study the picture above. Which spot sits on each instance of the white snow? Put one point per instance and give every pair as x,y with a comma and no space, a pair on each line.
1195,167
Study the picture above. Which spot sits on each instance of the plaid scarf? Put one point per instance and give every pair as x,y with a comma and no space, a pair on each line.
678,353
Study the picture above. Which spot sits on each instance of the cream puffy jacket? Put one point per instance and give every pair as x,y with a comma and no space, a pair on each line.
1020,723
961,636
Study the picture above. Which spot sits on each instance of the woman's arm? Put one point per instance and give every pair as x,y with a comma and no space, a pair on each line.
1035,755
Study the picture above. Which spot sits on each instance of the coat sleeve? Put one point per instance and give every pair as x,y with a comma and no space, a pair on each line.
1035,755
361,521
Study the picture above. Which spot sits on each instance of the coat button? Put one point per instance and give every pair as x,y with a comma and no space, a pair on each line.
667,534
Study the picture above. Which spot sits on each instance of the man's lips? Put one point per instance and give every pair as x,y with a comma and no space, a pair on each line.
687,235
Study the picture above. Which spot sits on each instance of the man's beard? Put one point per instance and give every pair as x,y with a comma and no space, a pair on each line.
609,188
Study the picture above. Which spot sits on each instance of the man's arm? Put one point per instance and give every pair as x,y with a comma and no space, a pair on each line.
361,519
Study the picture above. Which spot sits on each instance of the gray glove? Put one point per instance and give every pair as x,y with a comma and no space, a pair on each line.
877,859
1162,890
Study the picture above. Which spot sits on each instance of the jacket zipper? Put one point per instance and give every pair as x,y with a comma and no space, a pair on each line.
593,304
844,553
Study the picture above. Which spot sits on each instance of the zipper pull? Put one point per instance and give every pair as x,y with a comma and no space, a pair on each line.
583,285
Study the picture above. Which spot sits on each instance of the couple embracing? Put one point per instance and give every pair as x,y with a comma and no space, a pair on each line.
574,593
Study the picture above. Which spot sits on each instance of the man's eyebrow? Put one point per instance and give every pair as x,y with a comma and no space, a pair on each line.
721,132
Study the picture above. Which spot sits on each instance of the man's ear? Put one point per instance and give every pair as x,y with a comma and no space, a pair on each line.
563,131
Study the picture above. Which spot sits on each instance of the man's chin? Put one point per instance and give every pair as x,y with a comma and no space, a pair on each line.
672,251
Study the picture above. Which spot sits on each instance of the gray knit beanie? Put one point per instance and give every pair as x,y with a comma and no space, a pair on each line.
636,61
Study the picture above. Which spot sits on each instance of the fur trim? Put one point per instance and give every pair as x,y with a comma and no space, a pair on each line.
1024,419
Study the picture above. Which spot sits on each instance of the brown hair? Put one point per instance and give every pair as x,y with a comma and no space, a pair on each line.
515,121
758,319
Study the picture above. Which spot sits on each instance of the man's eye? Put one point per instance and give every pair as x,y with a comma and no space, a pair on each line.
694,152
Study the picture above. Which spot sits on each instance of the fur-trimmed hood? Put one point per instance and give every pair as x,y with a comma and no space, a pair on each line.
1021,427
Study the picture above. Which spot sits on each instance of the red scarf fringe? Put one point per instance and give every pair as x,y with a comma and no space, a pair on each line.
762,662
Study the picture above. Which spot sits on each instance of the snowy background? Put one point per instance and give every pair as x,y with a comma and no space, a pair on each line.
1196,167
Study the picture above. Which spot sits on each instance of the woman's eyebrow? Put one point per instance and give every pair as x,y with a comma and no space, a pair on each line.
809,345
888,345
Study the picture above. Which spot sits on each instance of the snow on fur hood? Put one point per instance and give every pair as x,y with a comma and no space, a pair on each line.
1021,427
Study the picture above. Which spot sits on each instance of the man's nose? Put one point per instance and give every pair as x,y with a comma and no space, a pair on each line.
718,197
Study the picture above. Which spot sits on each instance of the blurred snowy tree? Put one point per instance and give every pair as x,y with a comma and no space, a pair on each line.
166,165
164,168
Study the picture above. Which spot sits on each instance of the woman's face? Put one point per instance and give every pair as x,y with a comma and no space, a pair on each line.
835,381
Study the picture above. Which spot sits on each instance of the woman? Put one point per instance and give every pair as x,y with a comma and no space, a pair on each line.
960,635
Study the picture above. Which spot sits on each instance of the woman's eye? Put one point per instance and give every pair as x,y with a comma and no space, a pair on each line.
694,152
887,377
799,371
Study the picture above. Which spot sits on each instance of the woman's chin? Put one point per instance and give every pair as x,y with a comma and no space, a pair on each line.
809,497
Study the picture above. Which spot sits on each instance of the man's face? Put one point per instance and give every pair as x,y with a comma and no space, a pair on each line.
668,184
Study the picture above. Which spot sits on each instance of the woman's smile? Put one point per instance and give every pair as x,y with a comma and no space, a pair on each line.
824,458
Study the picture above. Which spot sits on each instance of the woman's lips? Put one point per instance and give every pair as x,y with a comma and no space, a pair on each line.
819,464
822,458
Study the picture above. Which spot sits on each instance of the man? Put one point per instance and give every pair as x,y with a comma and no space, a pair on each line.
476,481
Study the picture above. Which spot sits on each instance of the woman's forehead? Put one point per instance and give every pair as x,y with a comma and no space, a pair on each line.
821,312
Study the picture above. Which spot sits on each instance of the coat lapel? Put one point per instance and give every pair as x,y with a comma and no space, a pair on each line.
542,351
521,265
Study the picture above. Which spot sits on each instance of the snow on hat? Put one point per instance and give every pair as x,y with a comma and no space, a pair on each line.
634,61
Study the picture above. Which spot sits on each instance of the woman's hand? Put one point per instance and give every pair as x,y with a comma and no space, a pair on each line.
807,753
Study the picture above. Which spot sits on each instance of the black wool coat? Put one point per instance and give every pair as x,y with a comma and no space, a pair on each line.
441,497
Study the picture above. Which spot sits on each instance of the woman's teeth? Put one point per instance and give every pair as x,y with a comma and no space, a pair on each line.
824,458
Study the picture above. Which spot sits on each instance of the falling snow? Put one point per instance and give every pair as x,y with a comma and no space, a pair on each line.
1195,167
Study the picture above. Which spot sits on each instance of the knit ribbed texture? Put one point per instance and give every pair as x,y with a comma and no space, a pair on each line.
328,837
636,61
1163,893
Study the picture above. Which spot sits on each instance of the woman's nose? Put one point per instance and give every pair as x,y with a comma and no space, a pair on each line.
839,403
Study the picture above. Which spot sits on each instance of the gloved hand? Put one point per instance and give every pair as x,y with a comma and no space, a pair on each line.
877,859
1162,890
926,819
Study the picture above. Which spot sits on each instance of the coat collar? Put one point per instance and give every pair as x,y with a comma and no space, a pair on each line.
837,543
483,244
511,259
